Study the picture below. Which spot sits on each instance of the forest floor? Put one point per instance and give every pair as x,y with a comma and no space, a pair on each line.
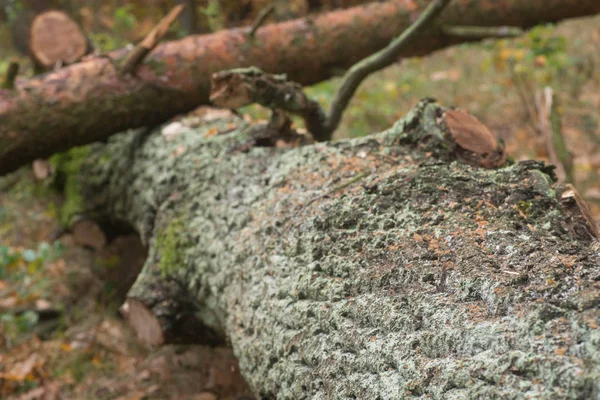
61,335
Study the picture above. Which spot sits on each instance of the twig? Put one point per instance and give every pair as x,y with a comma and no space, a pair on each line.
139,53
11,75
527,102
441,285
482,32
260,19
551,128
359,71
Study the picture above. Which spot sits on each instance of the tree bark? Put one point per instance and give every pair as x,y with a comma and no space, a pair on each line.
91,100
380,267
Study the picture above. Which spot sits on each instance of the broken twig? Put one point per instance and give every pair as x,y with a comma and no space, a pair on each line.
11,75
240,87
139,52
260,19
482,32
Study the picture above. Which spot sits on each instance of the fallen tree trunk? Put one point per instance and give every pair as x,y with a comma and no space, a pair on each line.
380,267
91,100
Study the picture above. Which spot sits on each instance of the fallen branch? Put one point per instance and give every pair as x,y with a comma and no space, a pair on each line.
237,88
91,100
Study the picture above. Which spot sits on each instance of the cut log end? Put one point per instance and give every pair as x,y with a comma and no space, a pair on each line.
145,324
55,38
88,233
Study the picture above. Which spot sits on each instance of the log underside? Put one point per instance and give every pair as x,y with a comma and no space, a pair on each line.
422,277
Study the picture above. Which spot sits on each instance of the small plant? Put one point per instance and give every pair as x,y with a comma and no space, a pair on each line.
22,269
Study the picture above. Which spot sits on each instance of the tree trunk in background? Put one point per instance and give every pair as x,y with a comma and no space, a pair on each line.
90,101
420,276
188,19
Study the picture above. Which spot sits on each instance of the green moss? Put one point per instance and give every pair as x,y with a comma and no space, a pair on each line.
67,166
170,244
524,207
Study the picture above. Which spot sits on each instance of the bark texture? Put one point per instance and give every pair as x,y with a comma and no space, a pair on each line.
91,100
373,268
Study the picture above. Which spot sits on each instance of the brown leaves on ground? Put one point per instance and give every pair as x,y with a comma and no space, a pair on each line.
84,349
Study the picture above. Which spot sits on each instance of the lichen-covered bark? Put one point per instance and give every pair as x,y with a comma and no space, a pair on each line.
92,100
424,277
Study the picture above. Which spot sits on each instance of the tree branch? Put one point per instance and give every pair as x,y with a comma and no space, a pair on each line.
359,71
260,19
243,86
239,87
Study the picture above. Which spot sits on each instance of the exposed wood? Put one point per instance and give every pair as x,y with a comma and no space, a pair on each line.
583,222
476,144
42,169
88,233
411,274
90,101
141,51
55,38
144,322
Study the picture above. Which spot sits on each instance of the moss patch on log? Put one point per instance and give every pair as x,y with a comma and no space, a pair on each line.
170,245
67,166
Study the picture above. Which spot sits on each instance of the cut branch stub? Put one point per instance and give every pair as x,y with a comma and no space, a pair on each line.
55,38
584,225
476,145
240,87
139,53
